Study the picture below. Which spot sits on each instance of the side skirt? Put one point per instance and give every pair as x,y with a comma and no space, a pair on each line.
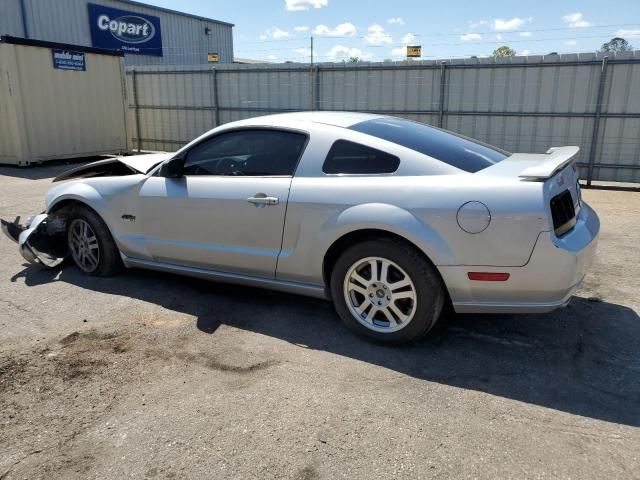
224,277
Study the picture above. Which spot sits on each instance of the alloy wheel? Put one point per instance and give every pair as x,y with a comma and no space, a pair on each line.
84,246
380,294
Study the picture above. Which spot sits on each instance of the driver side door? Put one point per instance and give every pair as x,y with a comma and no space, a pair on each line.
227,210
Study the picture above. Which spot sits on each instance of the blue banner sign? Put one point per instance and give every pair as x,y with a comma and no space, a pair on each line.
68,60
129,32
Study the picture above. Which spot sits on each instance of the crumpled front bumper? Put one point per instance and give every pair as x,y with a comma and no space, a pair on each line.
40,240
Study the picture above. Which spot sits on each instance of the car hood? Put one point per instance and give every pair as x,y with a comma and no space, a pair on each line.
118,166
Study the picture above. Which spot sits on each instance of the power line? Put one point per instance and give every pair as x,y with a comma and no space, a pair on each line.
454,34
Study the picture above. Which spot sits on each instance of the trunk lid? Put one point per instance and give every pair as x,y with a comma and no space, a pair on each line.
558,173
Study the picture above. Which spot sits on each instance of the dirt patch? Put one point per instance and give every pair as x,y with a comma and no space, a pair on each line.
216,363
50,395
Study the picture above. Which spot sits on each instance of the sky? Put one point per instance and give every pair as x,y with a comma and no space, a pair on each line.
376,30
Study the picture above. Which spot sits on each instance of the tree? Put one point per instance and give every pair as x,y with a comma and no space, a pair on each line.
354,59
503,51
616,44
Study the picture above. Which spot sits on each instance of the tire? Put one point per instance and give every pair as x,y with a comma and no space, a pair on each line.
98,255
414,306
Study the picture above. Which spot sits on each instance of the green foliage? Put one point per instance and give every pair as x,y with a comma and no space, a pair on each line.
503,51
616,44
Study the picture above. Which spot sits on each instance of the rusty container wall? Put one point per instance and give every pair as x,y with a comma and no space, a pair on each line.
48,113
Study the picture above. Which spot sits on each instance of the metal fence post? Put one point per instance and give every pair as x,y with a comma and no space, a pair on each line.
443,73
215,96
136,110
596,121
316,90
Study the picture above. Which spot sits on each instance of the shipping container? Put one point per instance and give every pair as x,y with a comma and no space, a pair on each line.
60,101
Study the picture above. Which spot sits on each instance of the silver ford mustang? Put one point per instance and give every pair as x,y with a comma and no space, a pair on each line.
389,218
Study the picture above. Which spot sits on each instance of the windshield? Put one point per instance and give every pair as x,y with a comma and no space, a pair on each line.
461,152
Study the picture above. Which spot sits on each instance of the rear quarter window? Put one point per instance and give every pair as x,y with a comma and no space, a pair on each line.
347,157
448,147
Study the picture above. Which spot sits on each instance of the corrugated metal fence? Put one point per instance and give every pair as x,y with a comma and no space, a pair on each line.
523,104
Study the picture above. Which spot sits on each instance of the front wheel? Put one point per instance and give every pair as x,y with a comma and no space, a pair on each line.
387,290
91,246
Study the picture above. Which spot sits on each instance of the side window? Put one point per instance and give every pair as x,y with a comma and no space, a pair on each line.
248,153
349,157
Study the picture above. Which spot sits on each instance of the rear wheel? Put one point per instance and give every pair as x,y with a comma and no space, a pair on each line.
387,290
91,246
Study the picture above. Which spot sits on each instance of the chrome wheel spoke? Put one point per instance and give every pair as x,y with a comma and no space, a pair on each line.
354,287
371,313
374,270
405,282
384,271
358,278
405,294
387,313
401,316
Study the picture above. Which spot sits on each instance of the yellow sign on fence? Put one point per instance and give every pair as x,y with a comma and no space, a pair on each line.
213,58
414,50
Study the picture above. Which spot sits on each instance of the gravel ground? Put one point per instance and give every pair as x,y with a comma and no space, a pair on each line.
148,375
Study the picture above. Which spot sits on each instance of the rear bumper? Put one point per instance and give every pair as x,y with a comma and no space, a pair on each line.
553,273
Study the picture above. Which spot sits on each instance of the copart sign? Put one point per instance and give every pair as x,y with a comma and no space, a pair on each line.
130,32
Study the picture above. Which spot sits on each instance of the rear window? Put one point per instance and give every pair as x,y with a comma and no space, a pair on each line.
354,158
450,148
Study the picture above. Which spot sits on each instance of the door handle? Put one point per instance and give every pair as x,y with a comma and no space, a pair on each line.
260,199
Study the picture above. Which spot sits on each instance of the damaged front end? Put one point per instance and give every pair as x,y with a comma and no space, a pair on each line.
41,239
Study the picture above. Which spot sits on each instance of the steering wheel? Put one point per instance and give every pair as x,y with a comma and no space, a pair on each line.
228,166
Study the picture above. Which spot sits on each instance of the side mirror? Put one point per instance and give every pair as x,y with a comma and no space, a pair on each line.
173,168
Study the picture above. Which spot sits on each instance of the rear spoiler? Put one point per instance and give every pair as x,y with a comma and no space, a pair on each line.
555,159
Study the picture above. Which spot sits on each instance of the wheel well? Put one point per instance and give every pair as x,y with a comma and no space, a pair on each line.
64,207
353,238
359,236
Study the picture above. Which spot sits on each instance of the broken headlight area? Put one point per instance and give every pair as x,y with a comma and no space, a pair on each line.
41,239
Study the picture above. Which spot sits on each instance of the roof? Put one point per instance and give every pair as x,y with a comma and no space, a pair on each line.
249,61
175,12
62,46
338,119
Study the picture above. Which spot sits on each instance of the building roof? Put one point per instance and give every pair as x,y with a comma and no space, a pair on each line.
175,12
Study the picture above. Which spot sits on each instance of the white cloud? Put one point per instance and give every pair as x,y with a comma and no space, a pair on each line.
297,5
628,33
274,32
514,23
467,37
525,52
396,20
304,51
473,24
343,30
408,38
498,36
341,52
399,52
571,43
525,34
301,28
272,57
377,36
576,20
